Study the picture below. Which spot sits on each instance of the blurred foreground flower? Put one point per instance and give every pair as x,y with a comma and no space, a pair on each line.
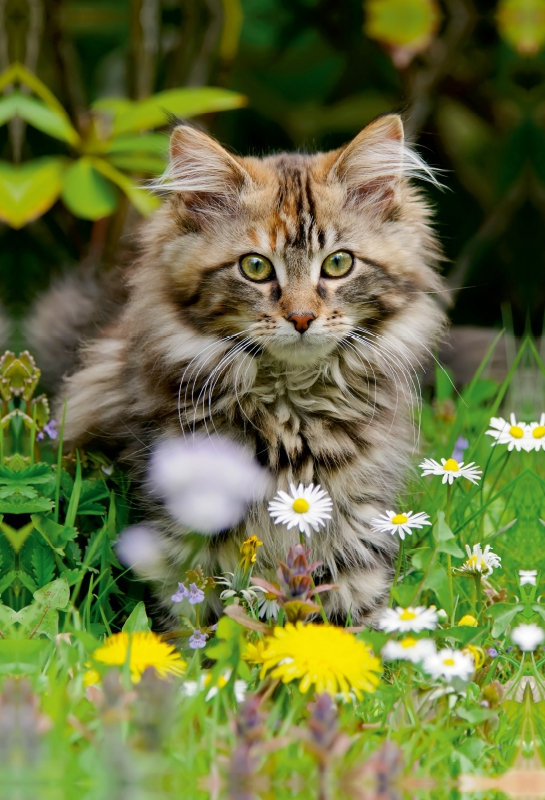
145,649
307,507
460,446
449,664
480,561
451,469
408,619
326,658
207,482
403,523
528,637
139,548
408,649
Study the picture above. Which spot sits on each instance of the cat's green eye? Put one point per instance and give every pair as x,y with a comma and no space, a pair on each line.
337,264
256,268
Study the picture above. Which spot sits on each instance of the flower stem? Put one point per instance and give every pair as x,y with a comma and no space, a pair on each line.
449,557
399,562
479,593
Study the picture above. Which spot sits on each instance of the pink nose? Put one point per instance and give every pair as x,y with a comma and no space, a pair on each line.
301,321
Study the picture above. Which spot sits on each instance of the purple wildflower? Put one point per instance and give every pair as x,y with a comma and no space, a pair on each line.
492,652
181,594
51,429
198,640
195,595
460,445
40,436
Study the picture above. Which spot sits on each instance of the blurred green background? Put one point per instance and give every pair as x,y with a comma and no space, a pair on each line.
468,77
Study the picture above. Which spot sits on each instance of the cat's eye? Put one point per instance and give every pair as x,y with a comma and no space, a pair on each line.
256,268
337,264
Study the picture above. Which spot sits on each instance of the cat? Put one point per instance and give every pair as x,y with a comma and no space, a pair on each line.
308,283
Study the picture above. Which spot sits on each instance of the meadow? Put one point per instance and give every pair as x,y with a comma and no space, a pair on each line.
445,694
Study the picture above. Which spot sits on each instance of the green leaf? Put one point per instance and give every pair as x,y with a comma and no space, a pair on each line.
8,618
51,121
31,476
22,656
7,580
29,190
445,538
405,594
43,565
150,143
142,200
86,193
21,505
475,715
138,620
462,633
153,112
41,617
54,534
135,163
502,615
437,580
16,538
422,558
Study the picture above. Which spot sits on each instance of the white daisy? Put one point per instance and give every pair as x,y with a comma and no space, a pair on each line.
449,664
451,469
307,507
267,604
514,434
403,523
408,619
480,561
536,434
408,649
528,576
528,637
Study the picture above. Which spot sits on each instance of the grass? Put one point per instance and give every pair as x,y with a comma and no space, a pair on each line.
63,591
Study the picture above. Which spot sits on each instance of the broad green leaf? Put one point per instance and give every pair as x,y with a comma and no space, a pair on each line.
86,193
7,580
502,615
445,538
150,143
139,163
34,475
461,633
37,114
41,617
17,73
143,201
138,619
451,548
153,112
405,594
29,190
437,579
422,558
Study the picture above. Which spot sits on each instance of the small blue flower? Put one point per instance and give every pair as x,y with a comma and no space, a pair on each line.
51,429
198,640
460,445
492,652
195,594
180,595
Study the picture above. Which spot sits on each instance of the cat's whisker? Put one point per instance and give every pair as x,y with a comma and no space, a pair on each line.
240,348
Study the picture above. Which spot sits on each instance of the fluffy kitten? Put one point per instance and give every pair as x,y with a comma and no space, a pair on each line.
285,302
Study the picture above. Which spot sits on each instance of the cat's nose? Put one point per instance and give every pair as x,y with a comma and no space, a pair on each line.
301,321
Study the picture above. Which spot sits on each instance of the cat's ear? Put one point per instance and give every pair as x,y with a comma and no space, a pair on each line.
202,171
372,165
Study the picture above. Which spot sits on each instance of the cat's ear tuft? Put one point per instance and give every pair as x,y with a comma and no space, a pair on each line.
373,165
201,171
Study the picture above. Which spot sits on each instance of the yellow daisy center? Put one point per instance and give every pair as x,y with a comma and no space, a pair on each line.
451,465
400,519
516,432
408,642
407,615
301,506
539,432
449,662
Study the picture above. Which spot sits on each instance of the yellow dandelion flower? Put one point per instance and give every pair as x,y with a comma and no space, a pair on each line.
248,551
330,659
468,621
254,652
146,650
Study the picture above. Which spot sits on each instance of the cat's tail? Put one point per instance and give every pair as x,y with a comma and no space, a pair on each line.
75,308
